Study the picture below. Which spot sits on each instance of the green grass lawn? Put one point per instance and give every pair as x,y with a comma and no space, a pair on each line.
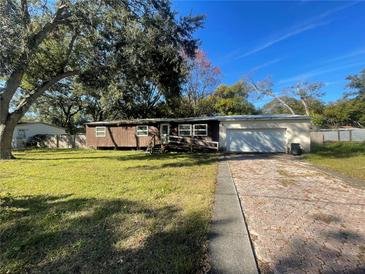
346,158
105,211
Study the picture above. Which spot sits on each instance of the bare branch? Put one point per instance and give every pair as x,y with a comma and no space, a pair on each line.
266,91
284,104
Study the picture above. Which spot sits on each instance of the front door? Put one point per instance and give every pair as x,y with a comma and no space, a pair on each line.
164,133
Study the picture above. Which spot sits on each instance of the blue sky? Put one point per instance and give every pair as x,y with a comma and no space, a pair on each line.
288,41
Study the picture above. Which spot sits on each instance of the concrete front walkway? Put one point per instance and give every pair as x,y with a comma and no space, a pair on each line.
301,220
230,249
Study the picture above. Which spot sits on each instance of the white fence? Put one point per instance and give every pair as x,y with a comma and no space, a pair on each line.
338,135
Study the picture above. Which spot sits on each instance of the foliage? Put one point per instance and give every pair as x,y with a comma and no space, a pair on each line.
202,79
228,100
129,45
350,110
102,214
357,83
345,112
275,107
63,105
306,93
225,100
304,98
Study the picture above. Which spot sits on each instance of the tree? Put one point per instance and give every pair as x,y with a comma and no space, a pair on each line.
305,93
345,113
99,41
357,83
275,107
203,78
350,110
264,89
227,100
141,100
62,105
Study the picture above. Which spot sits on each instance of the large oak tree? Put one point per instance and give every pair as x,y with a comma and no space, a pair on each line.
100,42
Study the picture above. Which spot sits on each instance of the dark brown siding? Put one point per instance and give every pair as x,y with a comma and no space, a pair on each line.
118,136
213,130
124,136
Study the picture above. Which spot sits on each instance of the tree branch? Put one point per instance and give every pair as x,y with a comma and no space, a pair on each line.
284,104
25,104
13,83
305,105
271,94
71,46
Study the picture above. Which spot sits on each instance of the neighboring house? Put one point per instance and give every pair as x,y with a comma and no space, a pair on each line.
242,133
24,131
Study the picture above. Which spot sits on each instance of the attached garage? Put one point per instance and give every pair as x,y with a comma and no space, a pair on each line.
264,133
266,140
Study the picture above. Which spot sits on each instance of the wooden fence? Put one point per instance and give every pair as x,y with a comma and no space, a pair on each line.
63,141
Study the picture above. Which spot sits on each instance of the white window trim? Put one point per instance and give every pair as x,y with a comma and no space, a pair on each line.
206,130
141,133
179,130
100,132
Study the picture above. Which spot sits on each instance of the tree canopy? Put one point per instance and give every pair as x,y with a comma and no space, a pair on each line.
228,100
125,44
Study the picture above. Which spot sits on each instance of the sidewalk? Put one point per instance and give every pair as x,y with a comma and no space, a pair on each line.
230,249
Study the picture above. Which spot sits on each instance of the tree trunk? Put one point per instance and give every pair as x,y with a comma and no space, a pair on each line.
305,107
6,136
285,105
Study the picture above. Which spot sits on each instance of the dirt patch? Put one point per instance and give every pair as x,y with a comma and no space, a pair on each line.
286,182
325,218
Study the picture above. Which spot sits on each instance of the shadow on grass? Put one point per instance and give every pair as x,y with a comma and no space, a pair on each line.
186,159
339,149
61,234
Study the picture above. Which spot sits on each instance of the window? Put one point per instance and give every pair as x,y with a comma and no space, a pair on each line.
100,131
142,130
184,130
200,130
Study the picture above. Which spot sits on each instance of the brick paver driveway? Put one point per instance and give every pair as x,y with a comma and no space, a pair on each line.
301,220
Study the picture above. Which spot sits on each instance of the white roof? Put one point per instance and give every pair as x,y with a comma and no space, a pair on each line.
205,118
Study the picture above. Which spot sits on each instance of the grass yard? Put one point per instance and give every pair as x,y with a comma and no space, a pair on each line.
346,158
92,211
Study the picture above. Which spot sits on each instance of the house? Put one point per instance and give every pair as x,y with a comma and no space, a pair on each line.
24,131
241,133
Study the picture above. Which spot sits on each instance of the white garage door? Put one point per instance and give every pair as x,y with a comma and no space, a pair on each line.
256,140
